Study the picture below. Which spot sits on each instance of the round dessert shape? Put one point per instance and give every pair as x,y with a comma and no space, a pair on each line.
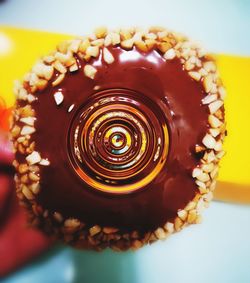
118,136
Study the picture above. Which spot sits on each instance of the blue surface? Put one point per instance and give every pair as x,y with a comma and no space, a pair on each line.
220,25
218,250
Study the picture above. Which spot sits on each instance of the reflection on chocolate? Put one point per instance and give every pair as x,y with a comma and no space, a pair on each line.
121,146
119,141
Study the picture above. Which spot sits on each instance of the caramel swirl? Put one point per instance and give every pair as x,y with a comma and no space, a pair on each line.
117,143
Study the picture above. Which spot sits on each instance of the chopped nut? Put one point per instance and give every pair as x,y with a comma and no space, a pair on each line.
152,238
160,233
59,67
208,197
208,167
219,114
100,32
46,213
28,120
209,141
17,87
195,75
94,230
188,65
209,98
203,72
214,106
164,47
58,96
162,34
203,190
199,148
208,83
15,163
63,58
214,122
21,148
48,72
213,185
136,244
203,177
26,111
110,230
192,214
200,206
107,56
23,168
196,172
73,68
92,51
44,162
35,188
127,44
170,54
209,66
49,59
137,36
63,46
169,227
108,40
115,37
27,193
84,45
150,43
74,46
198,219
58,80
218,146
151,35
34,177
97,87
24,179
72,223
90,71
210,157
214,132
27,130
222,92
71,107
141,45
58,217
41,70
15,131
33,158
41,84
125,34
21,139
134,234
220,154
182,214
22,94
178,223
191,205
97,42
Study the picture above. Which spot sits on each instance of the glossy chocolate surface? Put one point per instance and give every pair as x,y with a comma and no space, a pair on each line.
165,95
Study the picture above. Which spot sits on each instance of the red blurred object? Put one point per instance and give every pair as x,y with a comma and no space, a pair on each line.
5,114
18,243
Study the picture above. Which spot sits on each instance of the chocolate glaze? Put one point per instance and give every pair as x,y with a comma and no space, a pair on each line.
175,95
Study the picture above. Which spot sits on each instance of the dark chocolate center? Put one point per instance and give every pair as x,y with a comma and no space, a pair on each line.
144,107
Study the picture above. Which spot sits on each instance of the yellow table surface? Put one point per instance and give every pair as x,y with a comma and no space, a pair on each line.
19,50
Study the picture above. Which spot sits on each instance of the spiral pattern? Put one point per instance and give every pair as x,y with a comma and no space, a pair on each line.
118,141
